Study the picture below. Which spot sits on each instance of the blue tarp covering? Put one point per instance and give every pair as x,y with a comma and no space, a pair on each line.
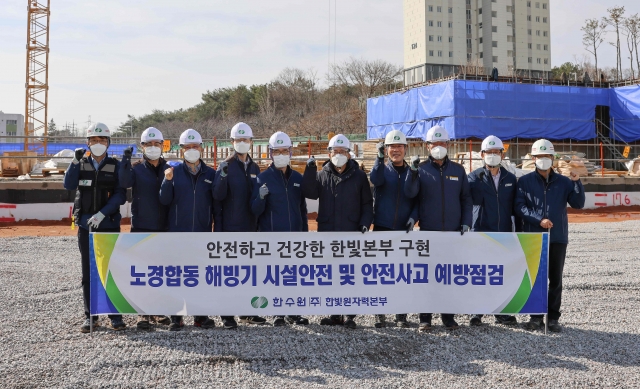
54,148
478,109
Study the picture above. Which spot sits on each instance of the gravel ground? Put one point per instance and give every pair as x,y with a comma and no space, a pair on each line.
41,305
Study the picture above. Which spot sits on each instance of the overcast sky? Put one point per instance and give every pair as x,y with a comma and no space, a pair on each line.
118,57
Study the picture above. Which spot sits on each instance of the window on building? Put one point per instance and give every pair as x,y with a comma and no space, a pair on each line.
529,31
480,40
468,14
546,47
544,5
480,25
529,46
430,38
430,53
494,14
509,38
530,60
430,23
14,122
431,8
544,20
545,33
451,54
468,43
495,58
468,56
468,2
494,44
538,60
546,61
528,18
538,46
481,55
450,24
509,53
450,39
509,23
509,8
439,24
439,53
537,32
479,11
537,5
439,38
494,28
538,19
468,29
529,4
450,10
439,9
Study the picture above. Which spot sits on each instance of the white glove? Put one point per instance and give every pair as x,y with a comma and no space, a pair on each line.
264,191
95,220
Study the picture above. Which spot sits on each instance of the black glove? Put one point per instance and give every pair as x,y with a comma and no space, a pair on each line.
380,147
223,168
415,161
410,224
79,154
128,152
311,162
363,229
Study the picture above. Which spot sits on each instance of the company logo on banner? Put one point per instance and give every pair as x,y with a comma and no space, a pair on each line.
318,273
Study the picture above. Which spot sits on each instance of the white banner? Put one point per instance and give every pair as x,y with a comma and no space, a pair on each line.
305,273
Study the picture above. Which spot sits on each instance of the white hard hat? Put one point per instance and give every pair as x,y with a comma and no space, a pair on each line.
190,136
98,129
150,134
279,140
437,134
241,130
542,147
339,141
395,137
492,142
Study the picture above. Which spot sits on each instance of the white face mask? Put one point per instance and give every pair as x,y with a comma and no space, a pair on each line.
241,147
281,161
544,163
339,160
492,159
153,152
439,152
192,155
98,149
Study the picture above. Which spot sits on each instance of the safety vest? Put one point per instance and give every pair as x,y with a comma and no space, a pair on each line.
94,187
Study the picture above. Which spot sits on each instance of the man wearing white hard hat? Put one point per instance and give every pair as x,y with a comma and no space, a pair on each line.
493,190
187,190
278,201
97,204
393,211
234,186
442,189
144,178
344,199
541,202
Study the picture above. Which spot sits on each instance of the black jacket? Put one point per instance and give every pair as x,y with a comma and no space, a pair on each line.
144,179
234,192
495,206
345,200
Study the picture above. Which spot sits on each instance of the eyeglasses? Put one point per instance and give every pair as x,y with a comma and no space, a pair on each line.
340,151
275,152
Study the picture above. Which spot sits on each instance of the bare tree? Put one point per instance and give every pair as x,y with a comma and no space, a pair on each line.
367,77
594,31
615,19
632,29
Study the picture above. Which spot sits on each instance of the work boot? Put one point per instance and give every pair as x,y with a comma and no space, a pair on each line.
164,320
143,323
86,326
229,323
451,324
534,324
425,322
176,323
333,320
299,320
117,324
506,320
252,319
279,322
476,320
350,323
401,320
203,322
554,326
381,321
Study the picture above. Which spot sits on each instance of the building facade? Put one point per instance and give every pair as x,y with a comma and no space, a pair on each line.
445,37
11,124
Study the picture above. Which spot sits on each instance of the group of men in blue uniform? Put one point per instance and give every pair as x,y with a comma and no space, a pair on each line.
437,193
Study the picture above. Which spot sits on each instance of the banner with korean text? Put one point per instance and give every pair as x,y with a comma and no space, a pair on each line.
304,273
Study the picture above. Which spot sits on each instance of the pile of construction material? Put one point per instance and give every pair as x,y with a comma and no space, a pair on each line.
634,167
575,163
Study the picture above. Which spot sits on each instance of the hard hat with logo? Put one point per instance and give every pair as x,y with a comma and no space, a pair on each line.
151,134
339,141
542,147
395,137
279,140
98,129
492,142
241,130
437,134
190,136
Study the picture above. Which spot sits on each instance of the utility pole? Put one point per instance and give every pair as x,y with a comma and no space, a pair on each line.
37,74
